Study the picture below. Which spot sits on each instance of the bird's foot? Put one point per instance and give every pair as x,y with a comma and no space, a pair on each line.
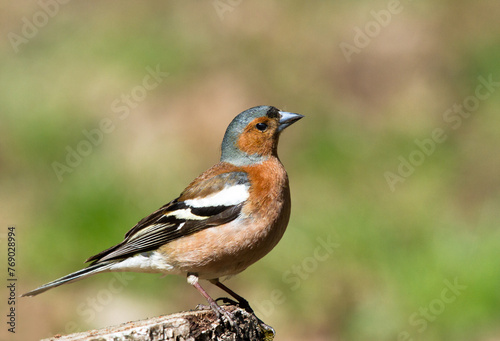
228,318
224,316
268,331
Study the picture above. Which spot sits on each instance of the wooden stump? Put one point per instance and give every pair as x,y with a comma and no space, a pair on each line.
184,326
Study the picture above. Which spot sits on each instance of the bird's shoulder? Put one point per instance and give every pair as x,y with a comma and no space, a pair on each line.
215,179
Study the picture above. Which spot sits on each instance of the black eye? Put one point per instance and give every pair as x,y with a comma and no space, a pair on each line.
261,126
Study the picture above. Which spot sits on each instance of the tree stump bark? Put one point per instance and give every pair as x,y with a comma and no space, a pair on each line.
185,326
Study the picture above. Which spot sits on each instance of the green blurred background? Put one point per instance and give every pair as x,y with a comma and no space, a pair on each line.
414,258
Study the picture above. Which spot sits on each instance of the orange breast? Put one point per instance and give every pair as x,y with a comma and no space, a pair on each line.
230,248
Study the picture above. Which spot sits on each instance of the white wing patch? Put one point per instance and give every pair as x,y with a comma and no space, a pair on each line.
229,196
185,214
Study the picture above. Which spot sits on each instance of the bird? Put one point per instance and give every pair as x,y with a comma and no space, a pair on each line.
225,220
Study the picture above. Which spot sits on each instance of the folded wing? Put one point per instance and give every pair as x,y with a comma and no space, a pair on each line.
208,203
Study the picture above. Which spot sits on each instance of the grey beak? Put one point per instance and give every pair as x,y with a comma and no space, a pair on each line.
287,119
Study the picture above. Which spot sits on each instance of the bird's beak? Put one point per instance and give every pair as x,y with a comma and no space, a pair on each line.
288,118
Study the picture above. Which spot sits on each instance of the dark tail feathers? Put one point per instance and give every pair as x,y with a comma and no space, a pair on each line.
73,277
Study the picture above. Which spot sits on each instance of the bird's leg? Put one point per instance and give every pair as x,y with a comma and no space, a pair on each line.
193,280
243,303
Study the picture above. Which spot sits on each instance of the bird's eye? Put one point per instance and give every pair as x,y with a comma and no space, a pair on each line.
261,126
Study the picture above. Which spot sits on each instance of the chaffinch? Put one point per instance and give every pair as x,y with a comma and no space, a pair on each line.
229,217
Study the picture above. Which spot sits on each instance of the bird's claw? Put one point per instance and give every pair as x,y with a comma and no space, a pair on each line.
224,315
227,318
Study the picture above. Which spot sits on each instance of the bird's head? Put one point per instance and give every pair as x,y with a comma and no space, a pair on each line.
253,135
